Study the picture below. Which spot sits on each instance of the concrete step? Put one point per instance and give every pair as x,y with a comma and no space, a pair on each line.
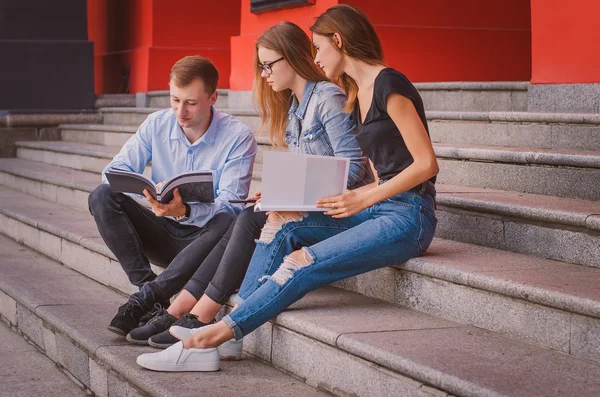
563,173
455,96
44,301
162,99
97,134
136,116
569,131
384,350
75,155
86,156
114,100
545,226
491,289
474,96
26,371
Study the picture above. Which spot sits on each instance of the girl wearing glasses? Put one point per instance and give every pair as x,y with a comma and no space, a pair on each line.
301,110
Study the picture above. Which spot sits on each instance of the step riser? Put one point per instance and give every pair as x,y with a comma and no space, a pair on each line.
68,160
561,243
438,99
74,161
557,329
135,119
124,118
164,101
47,191
542,136
579,183
96,137
474,101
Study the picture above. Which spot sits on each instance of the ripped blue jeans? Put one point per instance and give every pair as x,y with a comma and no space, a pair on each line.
387,233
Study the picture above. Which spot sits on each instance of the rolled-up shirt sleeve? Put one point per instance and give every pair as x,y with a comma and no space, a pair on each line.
233,184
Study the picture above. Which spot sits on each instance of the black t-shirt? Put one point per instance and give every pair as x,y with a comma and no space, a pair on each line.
378,136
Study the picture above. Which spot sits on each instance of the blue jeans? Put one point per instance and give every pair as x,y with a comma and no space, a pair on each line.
387,233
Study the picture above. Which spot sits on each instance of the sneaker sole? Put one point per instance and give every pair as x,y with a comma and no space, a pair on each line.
158,345
117,331
195,367
136,341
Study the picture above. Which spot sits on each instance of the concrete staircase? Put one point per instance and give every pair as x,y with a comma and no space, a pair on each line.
505,303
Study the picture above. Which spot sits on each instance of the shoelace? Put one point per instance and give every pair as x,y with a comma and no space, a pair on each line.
159,314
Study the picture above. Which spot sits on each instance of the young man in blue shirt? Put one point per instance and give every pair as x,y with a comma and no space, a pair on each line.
191,136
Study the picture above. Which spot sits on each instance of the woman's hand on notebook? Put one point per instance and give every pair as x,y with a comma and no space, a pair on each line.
344,205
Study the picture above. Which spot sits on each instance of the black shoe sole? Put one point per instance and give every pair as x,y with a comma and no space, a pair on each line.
117,331
135,341
159,345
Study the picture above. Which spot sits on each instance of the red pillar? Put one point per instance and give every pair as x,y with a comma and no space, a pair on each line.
565,41
148,36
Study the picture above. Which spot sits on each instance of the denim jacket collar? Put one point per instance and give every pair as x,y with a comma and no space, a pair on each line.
299,110
208,137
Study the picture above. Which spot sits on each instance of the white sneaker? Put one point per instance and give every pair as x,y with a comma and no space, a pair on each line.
176,358
230,350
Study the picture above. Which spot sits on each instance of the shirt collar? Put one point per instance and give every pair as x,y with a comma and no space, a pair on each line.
208,137
299,110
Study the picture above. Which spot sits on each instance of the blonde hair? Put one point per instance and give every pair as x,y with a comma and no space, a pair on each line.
359,40
295,47
192,67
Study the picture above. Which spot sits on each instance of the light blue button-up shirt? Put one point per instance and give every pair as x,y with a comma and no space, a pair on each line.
227,148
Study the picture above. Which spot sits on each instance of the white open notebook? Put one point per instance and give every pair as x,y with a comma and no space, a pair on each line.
295,182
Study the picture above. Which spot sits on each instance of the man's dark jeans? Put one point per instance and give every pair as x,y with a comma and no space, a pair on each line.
137,237
223,271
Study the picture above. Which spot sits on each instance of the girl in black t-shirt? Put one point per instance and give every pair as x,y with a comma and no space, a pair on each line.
378,225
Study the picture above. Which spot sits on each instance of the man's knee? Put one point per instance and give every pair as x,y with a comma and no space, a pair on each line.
99,197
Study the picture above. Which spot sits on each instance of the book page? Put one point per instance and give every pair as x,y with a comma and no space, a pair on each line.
193,187
130,182
283,179
325,177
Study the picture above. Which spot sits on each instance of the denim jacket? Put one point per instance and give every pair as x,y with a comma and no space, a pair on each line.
318,125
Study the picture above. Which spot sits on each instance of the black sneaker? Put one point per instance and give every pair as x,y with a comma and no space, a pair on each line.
165,339
157,308
127,318
157,324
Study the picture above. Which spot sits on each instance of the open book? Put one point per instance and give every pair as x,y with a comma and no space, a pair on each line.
193,186
295,182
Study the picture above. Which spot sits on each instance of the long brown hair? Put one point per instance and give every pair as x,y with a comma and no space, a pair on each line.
295,47
359,40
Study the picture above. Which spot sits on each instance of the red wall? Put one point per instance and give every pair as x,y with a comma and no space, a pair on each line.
428,40
253,25
148,36
459,40
565,41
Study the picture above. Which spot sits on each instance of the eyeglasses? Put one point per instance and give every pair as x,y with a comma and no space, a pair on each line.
266,67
